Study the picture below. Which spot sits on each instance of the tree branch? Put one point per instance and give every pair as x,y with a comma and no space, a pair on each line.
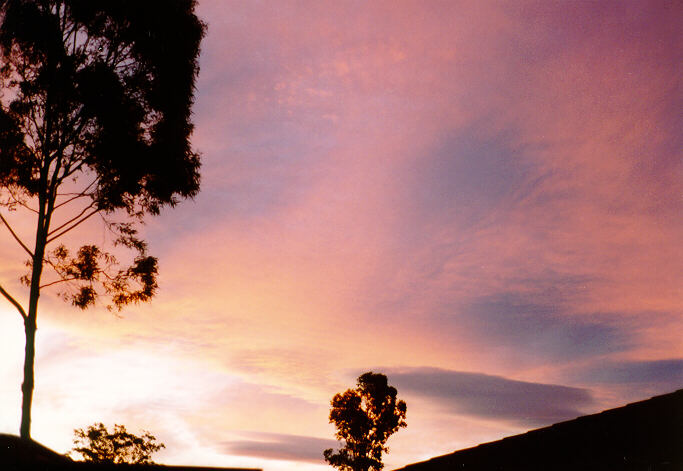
76,127
75,197
14,302
63,280
41,137
77,223
18,201
16,237
85,210
70,172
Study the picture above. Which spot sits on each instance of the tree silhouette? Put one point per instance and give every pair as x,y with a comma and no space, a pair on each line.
102,446
94,121
365,418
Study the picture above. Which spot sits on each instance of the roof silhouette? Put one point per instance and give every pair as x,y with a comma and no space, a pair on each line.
645,435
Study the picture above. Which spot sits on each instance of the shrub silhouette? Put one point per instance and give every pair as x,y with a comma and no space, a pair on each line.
97,444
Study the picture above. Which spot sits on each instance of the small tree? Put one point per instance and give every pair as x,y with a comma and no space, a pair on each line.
95,107
99,445
365,418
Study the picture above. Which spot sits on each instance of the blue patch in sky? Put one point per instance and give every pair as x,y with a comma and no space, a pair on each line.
468,175
542,329
668,371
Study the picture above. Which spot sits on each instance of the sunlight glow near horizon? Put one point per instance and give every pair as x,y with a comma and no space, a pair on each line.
481,199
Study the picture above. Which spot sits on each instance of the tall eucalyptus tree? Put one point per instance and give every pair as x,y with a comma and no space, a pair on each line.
95,121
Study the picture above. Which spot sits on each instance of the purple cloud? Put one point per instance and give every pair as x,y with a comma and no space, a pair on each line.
278,446
493,397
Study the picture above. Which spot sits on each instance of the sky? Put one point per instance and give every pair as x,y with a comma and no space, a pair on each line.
481,200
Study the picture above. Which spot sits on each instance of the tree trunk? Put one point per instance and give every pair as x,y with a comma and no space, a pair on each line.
27,385
30,327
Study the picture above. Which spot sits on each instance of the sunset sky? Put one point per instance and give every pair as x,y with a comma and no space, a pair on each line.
482,200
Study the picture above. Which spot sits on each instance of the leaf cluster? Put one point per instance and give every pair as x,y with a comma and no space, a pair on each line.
98,444
365,417
105,86
91,268
91,272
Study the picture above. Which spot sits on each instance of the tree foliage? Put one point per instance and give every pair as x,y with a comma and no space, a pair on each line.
365,417
95,111
99,445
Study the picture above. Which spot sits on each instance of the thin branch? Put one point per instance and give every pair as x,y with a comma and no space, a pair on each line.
41,136
70,172
19,201
85,210
54,181
86,217
77,196
49,262
107,275
16,237
63,280
14,302
76,128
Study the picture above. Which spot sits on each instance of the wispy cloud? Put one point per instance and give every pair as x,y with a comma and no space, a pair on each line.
493,397
279,446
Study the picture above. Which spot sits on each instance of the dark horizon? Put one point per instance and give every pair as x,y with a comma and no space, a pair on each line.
636,436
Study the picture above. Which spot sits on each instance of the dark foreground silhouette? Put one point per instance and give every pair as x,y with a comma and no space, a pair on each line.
17,454
643,436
